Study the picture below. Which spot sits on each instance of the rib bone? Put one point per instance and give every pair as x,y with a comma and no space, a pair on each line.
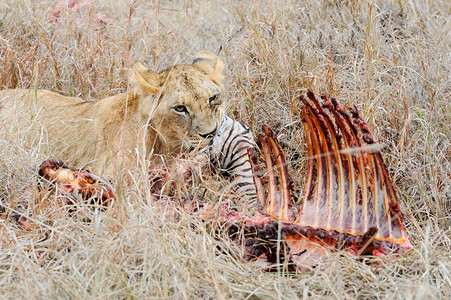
349,200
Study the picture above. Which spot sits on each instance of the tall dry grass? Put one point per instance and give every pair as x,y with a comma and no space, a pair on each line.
390,58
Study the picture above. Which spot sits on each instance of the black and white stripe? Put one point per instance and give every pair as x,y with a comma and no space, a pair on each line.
228,151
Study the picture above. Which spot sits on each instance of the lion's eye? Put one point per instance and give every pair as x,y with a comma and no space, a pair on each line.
213,99
180,108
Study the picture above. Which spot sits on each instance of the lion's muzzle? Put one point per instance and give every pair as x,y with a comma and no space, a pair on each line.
210,134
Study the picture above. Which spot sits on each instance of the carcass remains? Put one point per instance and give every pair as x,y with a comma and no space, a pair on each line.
349,202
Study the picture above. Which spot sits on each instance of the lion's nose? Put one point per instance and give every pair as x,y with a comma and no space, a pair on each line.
210,134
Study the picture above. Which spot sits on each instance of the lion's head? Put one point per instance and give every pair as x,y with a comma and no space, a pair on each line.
183,104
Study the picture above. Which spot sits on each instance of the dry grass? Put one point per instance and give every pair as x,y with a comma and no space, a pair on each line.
390,58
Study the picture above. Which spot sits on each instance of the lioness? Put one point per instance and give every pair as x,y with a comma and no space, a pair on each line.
166,113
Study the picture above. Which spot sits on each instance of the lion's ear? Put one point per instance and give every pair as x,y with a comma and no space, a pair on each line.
210,64
148,81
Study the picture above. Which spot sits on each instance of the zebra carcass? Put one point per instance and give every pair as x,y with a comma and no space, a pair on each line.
349,200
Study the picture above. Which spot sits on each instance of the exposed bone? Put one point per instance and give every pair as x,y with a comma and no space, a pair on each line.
74,182
349,202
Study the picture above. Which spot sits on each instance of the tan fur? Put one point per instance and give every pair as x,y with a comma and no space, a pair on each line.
144,119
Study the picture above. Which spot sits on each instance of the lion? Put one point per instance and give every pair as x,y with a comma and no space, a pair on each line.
169,112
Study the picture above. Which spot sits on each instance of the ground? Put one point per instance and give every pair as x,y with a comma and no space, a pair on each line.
390,58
